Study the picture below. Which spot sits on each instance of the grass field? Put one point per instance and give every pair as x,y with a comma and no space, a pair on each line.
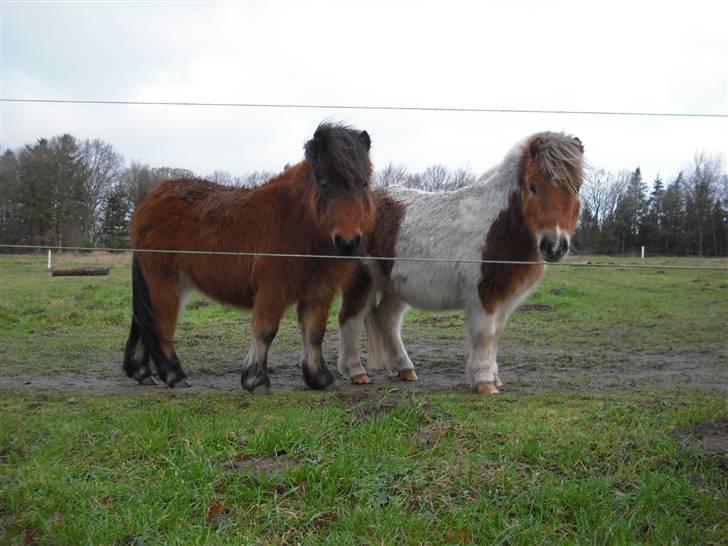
613,427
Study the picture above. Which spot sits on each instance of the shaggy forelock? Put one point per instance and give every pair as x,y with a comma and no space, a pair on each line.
561,158
339,150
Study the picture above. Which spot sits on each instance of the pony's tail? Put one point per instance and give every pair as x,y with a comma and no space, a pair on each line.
143,328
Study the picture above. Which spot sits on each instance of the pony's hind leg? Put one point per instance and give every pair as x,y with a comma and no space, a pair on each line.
312,319
166,298
267,314
136,358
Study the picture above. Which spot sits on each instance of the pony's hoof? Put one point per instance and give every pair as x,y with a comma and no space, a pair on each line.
487,387
181,384
361,379
255,383
318,381
149,381
498,382
408,375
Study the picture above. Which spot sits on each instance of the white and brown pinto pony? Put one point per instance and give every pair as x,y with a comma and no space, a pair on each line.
525,209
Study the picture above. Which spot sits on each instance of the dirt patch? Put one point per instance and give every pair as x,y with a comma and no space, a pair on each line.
710,436
528,307
259,468
440,370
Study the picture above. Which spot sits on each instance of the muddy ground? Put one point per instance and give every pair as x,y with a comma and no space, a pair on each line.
441,369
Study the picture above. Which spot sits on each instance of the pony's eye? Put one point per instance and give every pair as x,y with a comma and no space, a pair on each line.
533,189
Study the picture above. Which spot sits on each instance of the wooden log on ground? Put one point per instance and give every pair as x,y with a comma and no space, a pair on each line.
80,272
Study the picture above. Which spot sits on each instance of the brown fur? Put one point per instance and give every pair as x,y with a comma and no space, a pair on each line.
380,242
197,215
389,216
512,237
288,215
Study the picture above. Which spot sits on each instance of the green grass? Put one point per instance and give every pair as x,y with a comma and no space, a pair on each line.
80,324
613,309
352,467
387,469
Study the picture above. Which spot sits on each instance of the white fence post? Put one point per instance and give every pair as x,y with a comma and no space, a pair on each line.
49,258
643,252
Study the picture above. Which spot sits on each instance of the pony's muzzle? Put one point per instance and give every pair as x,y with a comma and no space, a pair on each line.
347,247
553,248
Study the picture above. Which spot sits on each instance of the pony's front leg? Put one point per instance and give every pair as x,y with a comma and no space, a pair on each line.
267,314
482,369
312,319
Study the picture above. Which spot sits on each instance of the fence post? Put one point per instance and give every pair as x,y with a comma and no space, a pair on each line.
49,258
643,252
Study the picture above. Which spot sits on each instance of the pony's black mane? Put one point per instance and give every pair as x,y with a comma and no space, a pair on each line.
337,150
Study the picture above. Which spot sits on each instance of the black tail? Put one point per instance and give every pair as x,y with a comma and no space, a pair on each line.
144,326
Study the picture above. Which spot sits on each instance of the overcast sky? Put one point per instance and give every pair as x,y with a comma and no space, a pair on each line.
616,56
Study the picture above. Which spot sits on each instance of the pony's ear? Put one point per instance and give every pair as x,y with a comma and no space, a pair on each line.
534,149
577,141
364,137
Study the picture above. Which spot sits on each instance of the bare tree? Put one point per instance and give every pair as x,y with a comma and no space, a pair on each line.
140,178
101,169
461,177
601,194
222,177
436,178
253,179
703,180
439,178
391,175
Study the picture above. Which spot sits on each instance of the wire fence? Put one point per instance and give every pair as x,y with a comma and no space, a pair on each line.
362,107
367,107
366,257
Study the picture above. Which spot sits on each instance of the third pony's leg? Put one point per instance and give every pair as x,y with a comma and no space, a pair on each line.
387,319
356,302
312,319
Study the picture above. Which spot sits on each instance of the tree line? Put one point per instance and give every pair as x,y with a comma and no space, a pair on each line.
63,191
686,216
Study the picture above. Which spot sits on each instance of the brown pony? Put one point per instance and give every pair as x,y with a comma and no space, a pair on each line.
320,206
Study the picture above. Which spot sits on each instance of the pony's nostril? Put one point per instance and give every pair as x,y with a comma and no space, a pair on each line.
347,244
544,246
563,246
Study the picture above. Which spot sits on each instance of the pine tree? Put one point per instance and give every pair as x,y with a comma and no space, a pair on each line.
673,214
117,214
651,227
